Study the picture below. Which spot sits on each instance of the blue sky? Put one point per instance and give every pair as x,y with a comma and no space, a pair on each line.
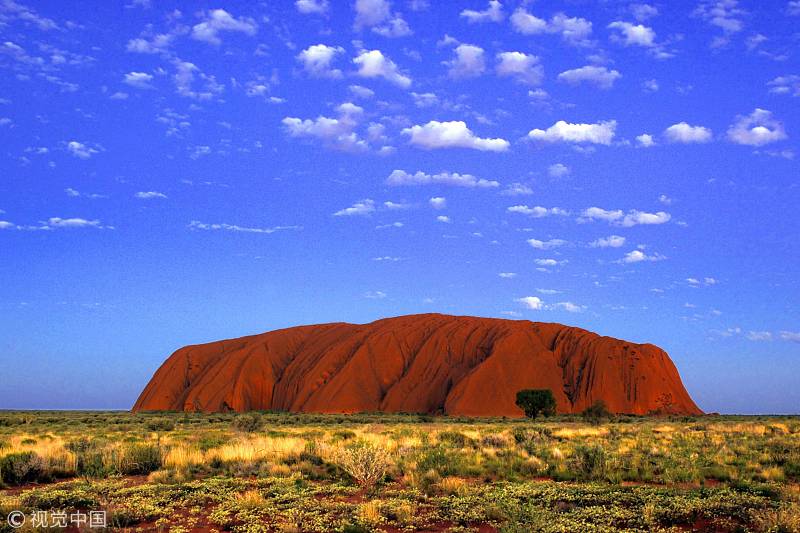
174,174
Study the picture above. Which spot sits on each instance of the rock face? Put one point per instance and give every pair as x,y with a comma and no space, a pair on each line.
419,363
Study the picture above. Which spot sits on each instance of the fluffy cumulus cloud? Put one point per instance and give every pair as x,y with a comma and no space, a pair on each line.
617,217
756,129
218,21
452,134
535,303
537,211
317,60
524,68
140,80
362,207
638,256
80,150
468,62
558,170
612,241
402,178
307,7
531,302
562,131
438,202
337,133
373,64
546,245
378,15
634,34
573,30
789,85
492,13
645,140
599,76
686,134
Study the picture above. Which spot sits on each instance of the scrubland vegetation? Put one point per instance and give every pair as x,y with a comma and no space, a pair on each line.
359,473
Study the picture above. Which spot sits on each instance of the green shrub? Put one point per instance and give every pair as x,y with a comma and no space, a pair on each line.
160,424
89,459
248,422
24,467
590,461
365,462
596,413
137,459
454,439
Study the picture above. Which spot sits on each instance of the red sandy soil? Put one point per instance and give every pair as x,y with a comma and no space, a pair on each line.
418,363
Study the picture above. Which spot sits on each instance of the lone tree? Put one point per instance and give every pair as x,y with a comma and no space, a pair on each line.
536,401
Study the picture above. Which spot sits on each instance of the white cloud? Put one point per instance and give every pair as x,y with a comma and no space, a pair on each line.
650,85
637,256
634,34
197,225
550,262
453,134
337,133
517,189
507,275
149,195
756,129
443,218
617,217
546,245
373,64
396,205
526,23
569,307
531,302
317,60
558,170
140,80
401,177
493,13
361,92
468,62
785,84
219,20
561,131
391,225
599,76
574,30
791,336
645,140
375,295
184,78
612,241
307,7
724,14
56,222
80,150
362,207
378,15
537,211
438,202
524,68
664,199
684,133
643,12
759,336
424,99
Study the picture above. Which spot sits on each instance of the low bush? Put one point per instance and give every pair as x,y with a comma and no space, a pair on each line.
248,422
139,459
23,467
364,462
160,424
